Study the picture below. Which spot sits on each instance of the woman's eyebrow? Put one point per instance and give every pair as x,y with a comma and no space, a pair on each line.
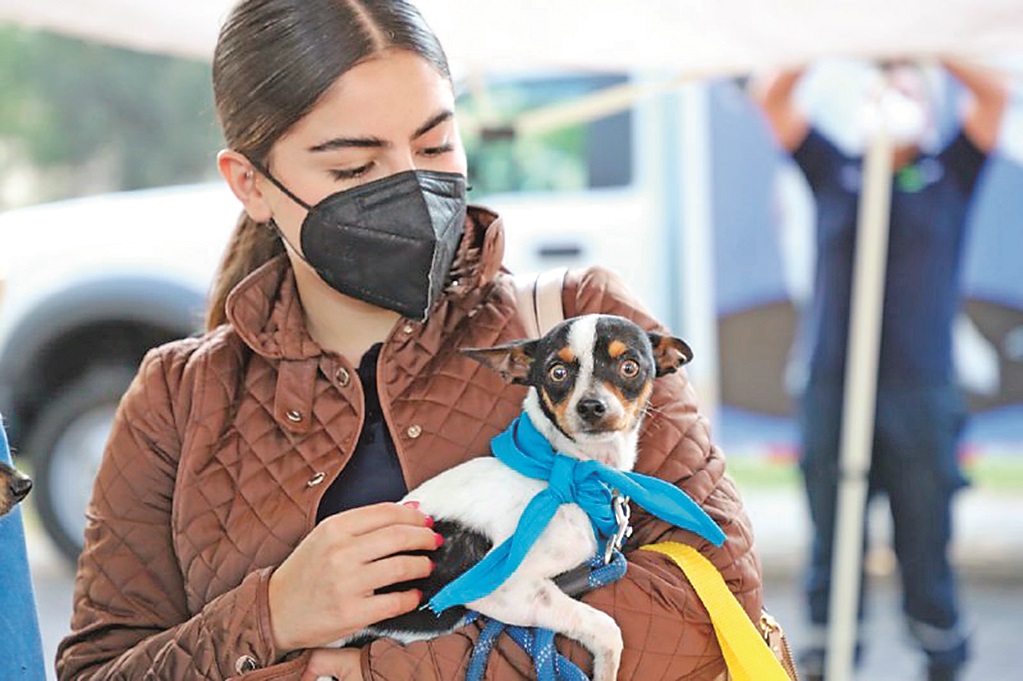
434,121
370,142
349,142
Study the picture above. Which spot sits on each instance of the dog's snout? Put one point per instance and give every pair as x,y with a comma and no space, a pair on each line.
591,409
20,486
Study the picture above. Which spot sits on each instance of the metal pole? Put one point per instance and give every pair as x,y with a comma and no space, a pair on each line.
696,250
860,401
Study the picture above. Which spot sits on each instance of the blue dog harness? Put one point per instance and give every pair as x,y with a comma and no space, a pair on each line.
586,483
548,663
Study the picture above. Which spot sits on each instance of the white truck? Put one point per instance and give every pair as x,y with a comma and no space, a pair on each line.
86,287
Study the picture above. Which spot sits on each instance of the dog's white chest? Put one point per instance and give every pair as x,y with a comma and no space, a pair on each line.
490,497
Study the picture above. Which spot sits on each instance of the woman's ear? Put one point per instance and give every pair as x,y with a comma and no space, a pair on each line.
243,180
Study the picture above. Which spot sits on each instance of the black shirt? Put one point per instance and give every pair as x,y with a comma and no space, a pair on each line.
373,474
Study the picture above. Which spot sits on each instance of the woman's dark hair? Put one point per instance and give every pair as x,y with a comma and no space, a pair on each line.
273,62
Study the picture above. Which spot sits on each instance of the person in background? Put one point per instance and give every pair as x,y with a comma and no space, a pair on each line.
919,411
21,647
244,515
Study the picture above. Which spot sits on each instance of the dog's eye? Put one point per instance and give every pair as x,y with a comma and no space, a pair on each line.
557,373
629,368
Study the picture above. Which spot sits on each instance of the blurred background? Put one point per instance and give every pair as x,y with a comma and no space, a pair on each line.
112,220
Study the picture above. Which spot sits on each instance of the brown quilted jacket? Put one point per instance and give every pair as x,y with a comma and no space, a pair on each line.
224,444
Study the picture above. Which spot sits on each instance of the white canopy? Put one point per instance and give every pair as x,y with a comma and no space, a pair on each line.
682,36
179,27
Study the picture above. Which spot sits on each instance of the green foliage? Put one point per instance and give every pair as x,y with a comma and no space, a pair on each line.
66,102
760,472
997,473
1001,472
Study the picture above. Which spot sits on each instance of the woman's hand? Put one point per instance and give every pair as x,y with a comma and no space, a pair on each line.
324,590
342,664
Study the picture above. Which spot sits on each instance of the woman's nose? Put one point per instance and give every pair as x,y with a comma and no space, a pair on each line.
403,160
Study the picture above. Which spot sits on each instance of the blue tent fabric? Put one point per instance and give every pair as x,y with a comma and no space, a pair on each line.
21,650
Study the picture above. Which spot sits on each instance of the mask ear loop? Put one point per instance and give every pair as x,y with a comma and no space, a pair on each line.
265,172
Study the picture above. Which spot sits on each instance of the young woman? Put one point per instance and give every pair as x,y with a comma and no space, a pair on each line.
244,513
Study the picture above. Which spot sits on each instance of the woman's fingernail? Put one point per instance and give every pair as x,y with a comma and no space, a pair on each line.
429,521
411,504
419,595
439,539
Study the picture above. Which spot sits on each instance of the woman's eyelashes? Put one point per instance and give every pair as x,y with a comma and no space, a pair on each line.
439,150
351,173
342,174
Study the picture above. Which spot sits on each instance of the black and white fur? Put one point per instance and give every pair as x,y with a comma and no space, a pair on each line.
589,381
14,486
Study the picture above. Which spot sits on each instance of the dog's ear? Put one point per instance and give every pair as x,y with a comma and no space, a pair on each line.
512,361
669,353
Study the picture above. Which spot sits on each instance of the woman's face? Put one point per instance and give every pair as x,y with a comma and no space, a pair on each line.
389,114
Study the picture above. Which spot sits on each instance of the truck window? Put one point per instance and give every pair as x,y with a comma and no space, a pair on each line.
586,155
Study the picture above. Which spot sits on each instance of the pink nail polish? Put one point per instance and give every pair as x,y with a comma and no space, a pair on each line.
439,539
428,521
411,504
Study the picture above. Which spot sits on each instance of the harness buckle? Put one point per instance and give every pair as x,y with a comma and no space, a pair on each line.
622,512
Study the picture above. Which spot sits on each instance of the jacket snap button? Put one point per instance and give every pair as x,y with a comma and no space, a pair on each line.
407,328
342,377
316,480
245,664
294,416
415,431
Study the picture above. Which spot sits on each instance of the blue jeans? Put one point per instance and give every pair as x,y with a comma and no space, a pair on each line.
21,653
914,463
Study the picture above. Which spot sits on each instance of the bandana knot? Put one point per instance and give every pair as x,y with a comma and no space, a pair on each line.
562,481
588,484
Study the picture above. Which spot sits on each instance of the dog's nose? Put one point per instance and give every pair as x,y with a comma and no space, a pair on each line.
591,409
20,486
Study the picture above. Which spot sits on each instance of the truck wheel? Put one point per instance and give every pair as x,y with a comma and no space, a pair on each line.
66,445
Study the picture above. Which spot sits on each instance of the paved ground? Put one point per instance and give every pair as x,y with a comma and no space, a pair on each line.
989,552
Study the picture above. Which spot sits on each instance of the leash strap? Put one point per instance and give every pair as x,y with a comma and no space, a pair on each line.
745,651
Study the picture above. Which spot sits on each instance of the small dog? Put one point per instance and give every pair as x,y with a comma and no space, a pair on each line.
589,381
14,486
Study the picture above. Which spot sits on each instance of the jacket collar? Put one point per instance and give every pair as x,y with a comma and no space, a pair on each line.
266,311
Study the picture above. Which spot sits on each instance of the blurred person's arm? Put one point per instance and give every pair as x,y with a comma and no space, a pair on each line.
989,95
774,94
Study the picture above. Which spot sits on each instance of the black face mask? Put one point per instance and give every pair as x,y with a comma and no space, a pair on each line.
390,242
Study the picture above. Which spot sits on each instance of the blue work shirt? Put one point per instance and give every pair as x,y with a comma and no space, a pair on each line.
21,650
930,200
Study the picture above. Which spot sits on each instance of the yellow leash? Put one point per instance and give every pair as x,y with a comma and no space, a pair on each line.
746,653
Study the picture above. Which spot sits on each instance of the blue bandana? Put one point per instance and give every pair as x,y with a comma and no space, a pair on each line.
570,481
